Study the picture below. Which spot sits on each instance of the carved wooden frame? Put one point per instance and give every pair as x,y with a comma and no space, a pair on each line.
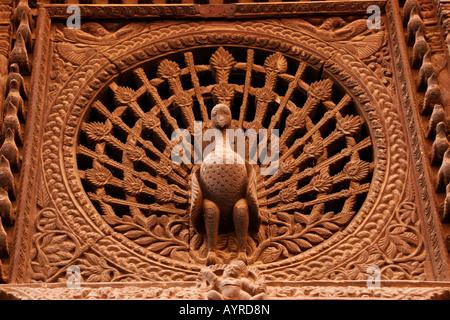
397,192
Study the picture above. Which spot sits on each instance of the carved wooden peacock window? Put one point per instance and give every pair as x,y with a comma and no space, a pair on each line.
325,153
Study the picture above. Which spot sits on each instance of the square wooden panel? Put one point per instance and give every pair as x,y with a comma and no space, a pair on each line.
99,190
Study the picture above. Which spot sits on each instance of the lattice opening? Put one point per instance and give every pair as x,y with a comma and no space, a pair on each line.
325,150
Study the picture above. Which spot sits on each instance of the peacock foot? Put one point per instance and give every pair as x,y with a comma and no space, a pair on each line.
242,255
211,258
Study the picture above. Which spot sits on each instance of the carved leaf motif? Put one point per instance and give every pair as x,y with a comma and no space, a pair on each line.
134,234
408,213
112,220
356,170
288,166
48,220
410,237
140,220
303,243
347,211
283,216
133,186
270,254
179,255
264,94
157,247
276,63
159,231
124,227
316,214
99,176
168,69
323,232
223,91
176,228
96,269
391,245
288,195
222,59
321,90
51,251
134,153
98,131
313,237
124,95
182,99
301,218
331,226
349,125
291,246
42,198
322,182
151,222
401,245
163,194
145,241
296,120
151,122
315,148
164,167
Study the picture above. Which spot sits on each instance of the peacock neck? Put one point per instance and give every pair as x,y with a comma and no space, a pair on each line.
222,141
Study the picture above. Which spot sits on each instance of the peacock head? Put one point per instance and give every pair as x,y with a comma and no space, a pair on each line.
221,117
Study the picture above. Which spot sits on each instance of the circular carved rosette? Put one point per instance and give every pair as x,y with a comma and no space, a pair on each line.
121,113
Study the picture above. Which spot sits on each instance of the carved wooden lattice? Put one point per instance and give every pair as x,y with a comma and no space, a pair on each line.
325,152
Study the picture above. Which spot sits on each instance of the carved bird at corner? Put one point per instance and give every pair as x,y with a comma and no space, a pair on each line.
93,33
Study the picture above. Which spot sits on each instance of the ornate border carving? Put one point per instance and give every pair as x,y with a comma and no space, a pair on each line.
26,203
430,216
232,10
390,290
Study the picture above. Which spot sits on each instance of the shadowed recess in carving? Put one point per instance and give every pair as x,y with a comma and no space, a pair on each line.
325,161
